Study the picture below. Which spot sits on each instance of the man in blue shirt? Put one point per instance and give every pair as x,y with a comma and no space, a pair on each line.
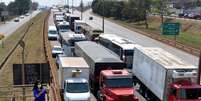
39,92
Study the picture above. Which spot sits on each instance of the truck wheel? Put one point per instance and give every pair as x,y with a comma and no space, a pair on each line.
100,96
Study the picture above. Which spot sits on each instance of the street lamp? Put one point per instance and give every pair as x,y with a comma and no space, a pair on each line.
103,16
22,44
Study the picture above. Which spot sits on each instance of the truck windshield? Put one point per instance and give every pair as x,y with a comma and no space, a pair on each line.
63,28
52,32
190,94
129,52
77,87
119,82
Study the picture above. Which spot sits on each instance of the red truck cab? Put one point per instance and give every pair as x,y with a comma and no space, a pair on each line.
116,85
184,91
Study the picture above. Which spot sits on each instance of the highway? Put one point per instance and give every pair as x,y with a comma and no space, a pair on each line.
11,26
113,28
97,23
51,23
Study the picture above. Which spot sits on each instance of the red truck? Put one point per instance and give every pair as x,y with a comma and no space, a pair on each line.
102,61
116,85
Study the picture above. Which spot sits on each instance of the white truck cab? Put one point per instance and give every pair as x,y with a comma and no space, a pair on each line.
77,25
76,89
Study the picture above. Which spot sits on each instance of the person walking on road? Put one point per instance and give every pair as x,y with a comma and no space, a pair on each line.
39,92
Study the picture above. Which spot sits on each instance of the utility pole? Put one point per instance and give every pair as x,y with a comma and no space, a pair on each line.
22,44
72,6
81,8
68,7
162,11
103,16
199,70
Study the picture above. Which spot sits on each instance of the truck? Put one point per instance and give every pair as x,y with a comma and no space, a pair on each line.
102,60
77,25
68,39
161,76
73,78
90,32
63,26
123,47
116,85
72,20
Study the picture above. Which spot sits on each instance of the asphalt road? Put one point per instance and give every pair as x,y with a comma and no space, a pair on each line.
140,39
10,26
97,23
51,23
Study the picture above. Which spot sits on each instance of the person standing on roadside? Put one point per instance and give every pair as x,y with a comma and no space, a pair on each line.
39,92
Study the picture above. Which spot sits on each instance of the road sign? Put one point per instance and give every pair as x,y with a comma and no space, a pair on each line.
32,73
171,29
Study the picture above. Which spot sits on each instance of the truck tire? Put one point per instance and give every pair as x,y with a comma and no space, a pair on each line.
100,96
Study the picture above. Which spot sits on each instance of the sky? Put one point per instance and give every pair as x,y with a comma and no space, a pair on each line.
51,2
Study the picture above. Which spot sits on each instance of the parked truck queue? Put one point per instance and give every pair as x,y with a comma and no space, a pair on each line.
113,68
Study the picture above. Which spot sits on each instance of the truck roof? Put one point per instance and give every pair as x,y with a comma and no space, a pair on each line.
164,58
79,21
72,36
76,80
120,41
67,62
117,73
98,53
63,23
52,27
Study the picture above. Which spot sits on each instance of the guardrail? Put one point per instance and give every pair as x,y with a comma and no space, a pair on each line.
47,50
172,43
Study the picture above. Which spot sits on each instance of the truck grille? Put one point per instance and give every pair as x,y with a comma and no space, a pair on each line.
125,98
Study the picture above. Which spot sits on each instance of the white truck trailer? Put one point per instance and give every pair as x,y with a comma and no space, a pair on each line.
161,76
73,76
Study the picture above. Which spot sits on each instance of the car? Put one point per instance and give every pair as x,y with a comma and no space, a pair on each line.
27,14
16,20
56,50
52,33
22,17
91,18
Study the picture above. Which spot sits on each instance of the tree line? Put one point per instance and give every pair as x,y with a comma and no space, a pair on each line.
18,7
130,10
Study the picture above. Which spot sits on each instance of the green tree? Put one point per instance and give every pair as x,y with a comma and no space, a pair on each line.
34,5
12,8
23,6
2,7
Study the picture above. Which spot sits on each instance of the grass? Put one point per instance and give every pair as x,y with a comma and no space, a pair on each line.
190,32
34,52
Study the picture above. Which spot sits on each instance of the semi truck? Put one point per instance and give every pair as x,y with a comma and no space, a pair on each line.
116,85
68,40
161,76
73,78
77,25
90,32
100,59
72,20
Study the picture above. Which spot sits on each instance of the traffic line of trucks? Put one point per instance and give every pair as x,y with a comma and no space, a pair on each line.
113,68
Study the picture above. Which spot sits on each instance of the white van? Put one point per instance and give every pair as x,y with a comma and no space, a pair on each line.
52,33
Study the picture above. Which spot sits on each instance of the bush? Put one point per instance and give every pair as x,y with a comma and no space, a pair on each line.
1,36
